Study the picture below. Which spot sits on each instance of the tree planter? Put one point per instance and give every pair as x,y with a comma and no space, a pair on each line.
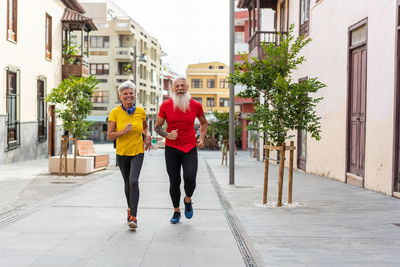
283,148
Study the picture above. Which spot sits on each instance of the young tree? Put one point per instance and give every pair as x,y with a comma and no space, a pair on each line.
73,97
287,105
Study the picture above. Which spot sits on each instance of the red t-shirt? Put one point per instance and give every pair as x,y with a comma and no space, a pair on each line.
183,121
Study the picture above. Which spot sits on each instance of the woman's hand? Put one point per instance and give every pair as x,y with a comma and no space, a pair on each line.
128,128
147,143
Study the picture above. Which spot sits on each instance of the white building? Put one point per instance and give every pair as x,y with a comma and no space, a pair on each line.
31,46
117,46
354,50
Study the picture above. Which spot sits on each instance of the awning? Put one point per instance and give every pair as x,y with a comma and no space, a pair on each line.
97,118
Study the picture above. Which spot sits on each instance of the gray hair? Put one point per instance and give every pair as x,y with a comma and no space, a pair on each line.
180,78
126,85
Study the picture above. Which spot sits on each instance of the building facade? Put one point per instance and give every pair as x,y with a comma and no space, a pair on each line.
357,57
31,61
208,84
121,50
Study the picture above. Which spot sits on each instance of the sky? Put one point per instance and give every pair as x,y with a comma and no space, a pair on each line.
189,31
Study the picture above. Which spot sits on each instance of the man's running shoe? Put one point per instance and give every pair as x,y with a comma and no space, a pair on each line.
176,217
132,222
188,209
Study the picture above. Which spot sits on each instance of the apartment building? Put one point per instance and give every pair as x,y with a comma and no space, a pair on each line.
31,45
121,50
357,56
208,84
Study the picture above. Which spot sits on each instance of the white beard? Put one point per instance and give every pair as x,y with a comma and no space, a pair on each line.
181,101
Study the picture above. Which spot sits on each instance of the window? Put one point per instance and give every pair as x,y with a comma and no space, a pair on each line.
223,83
224,102
210,83
197,83
239,37
99,69
198,99
100,97
48,37
221,67
304,16
210,102
12,20
41,111
99,41
13,125
211,67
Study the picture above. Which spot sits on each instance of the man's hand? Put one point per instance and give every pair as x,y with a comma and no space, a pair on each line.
200,143
147,143
173,134
128,128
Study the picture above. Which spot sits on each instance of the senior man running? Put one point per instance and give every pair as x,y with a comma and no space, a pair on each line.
180,112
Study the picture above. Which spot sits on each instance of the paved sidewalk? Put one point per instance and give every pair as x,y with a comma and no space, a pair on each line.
337,224
43,223
86,226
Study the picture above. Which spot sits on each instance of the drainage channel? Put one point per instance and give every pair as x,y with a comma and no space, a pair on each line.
233,222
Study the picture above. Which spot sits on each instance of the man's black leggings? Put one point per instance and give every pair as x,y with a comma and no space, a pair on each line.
130,167
175,159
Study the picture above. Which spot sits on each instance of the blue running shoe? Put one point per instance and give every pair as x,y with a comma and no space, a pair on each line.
176,217
188,209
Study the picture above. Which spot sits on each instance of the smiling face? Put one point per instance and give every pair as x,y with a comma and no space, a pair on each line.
127,96
180,87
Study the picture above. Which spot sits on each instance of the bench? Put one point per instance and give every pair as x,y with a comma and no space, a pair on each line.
85,148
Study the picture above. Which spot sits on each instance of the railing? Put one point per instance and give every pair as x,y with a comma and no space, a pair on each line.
75,66
255,47
124,52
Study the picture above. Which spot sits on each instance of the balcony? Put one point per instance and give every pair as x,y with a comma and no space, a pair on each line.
123,26
124,53
74,65
255,47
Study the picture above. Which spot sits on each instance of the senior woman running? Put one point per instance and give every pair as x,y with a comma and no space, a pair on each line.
126,123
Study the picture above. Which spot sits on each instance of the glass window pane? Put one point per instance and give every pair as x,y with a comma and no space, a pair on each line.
359,35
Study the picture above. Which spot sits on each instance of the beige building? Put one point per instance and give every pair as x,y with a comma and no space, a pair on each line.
119,43
31,61
208,84
357,57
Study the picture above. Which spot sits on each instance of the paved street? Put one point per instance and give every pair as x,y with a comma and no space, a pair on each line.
47,220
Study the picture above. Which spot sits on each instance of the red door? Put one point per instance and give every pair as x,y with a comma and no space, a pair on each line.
356,149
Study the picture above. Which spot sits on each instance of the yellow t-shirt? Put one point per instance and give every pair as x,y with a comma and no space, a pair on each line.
129,144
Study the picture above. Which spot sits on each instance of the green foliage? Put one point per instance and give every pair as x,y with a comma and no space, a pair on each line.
73,97
287,105
70,50
219,124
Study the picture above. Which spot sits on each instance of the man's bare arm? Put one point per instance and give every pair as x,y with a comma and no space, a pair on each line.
203,130
159,129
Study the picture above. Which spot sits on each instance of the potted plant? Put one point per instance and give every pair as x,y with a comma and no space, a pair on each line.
73,99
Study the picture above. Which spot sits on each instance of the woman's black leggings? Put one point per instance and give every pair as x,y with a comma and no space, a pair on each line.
175,159
130,167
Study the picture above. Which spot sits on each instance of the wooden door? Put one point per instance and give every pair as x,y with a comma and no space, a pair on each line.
301,149
357,109
52,130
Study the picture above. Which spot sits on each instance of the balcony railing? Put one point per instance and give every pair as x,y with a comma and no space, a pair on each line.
124,53
75,66
255,47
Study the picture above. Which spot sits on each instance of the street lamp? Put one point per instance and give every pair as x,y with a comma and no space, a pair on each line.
142,58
